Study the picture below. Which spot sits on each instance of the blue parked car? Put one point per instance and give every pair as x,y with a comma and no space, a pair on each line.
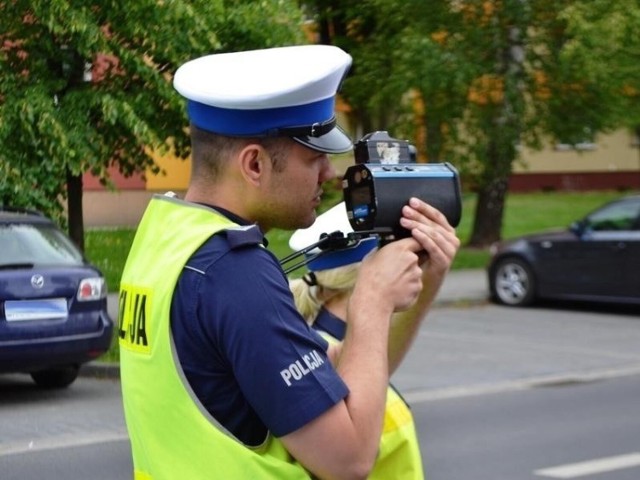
53,303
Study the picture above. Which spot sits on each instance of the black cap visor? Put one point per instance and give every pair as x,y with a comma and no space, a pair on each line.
335,141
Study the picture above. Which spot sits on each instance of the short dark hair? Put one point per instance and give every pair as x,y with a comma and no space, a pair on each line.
209,150
278,148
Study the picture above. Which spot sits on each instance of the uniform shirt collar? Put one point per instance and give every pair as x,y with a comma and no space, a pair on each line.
234,218
328,322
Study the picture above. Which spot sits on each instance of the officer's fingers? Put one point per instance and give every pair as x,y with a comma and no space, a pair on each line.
440,244
429,228
402,258
394,270
420,211
408,243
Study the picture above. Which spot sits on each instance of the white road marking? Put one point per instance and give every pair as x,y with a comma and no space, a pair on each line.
444,393
60,441
591,467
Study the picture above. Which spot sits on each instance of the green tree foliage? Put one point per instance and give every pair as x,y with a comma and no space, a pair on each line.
482,78
603,49
86,84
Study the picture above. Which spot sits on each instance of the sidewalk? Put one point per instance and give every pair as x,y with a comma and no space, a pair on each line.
461,287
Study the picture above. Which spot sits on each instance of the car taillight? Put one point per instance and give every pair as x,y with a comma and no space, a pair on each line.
92,289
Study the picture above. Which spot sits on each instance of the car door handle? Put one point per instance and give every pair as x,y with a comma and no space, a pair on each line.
619,246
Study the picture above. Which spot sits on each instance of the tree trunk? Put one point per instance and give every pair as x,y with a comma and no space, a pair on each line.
434,140
487,223
505,128
74,207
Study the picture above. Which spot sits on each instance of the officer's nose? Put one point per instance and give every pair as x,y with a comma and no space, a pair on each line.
328,171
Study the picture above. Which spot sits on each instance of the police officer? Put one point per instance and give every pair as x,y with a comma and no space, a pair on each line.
221,376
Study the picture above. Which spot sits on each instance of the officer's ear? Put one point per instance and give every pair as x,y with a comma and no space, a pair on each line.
253,159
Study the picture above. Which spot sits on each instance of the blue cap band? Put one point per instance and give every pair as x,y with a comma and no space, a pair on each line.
340,258
234,122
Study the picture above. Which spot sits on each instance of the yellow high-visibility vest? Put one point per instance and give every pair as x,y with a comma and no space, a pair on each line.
172,435
399,453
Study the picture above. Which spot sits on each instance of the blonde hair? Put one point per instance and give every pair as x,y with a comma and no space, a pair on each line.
315,288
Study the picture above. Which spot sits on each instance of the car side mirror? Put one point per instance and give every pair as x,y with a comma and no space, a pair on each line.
578,227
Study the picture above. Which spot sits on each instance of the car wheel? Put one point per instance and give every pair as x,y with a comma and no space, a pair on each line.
59,377
512,283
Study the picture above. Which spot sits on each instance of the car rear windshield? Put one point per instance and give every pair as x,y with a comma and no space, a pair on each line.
37,244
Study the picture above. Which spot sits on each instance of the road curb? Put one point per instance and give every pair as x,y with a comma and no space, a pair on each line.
104,370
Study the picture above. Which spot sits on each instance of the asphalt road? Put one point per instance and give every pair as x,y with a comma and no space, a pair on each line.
583,430
486,348
586,431
77,433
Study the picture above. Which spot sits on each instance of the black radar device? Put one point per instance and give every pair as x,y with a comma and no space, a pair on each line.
386,176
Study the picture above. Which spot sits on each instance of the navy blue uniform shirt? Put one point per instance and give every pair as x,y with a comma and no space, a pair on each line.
248,355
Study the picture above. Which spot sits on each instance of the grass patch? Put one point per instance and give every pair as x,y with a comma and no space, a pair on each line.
108,249
533,212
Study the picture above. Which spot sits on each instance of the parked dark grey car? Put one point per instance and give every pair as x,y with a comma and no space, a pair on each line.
595,259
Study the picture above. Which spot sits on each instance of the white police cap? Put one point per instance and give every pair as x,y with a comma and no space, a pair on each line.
334,219
286,91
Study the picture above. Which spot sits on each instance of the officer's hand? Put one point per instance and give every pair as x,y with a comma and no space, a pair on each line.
392,275
430,228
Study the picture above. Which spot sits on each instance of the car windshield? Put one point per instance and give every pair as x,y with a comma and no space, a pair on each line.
37,244
617,217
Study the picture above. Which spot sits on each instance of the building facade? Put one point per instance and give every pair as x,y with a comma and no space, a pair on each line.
611,162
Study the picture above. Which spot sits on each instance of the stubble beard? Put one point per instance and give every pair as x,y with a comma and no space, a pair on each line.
283,218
